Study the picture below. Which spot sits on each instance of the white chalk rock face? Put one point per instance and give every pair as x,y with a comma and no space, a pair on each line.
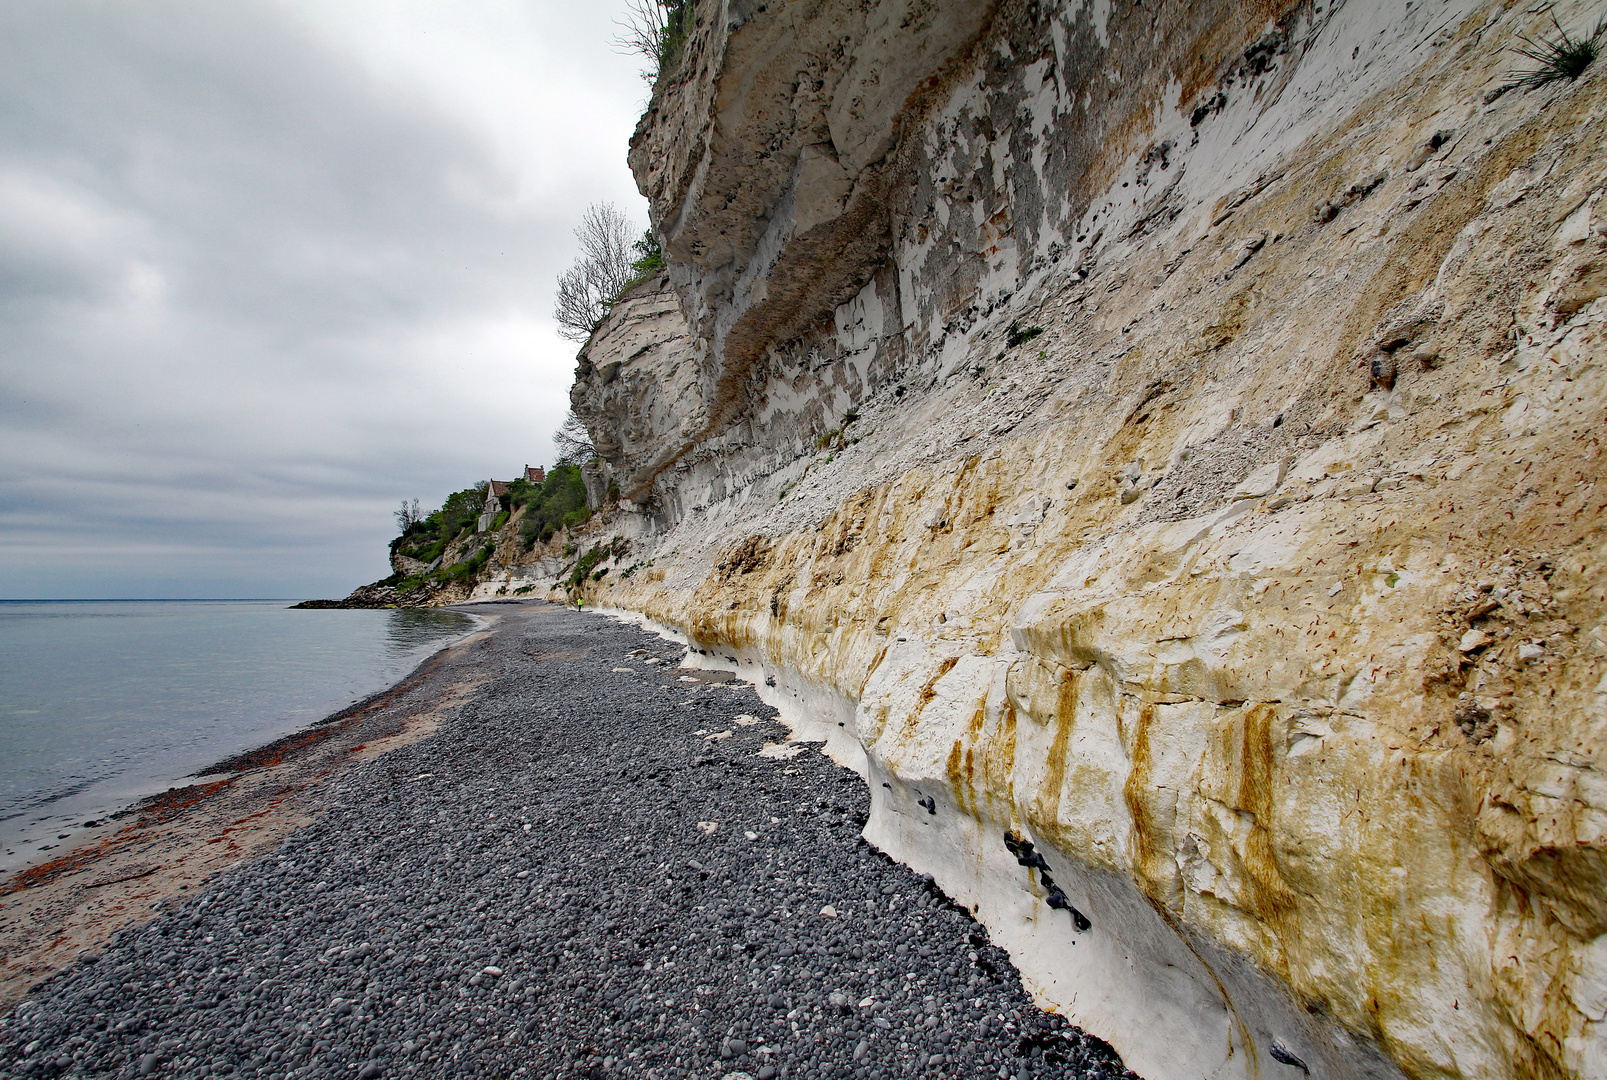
1160,447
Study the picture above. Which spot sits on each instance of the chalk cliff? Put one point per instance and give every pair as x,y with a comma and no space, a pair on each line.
1167,433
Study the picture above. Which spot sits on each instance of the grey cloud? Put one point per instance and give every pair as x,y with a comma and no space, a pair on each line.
252,292
270,177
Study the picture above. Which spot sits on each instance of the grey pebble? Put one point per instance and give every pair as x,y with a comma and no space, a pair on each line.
635,943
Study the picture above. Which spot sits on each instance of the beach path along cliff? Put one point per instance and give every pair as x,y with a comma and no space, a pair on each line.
601,865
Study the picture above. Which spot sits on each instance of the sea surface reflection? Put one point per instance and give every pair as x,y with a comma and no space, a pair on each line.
102,702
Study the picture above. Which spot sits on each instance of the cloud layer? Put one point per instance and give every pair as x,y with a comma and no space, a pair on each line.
268,268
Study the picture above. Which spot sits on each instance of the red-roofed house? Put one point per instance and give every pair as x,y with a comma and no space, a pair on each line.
495,492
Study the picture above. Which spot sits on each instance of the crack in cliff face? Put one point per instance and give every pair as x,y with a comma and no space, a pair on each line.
1199,483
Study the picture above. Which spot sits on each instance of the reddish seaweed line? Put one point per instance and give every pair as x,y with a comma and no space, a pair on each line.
69,863
157,810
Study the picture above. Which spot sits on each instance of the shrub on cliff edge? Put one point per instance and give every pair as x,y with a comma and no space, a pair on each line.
558,502
425,538
656,30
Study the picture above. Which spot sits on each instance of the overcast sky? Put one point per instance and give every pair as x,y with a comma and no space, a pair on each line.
267,267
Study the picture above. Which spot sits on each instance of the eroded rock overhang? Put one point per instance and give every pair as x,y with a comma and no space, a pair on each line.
792,145
769,157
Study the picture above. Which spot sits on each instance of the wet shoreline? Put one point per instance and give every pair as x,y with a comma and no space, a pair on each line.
601,866
60,905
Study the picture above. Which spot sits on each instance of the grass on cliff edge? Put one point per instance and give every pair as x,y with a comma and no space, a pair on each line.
1563,57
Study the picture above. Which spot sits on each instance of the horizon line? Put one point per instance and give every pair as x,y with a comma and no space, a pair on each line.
136,599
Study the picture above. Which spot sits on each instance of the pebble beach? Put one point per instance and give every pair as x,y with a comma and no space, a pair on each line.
594,863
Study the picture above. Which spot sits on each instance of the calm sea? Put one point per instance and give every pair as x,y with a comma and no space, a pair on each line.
103,702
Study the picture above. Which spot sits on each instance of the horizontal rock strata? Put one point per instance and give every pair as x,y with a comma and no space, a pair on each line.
1167,434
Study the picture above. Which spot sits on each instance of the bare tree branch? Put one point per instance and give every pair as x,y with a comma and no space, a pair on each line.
573,442
408,515
643,30
587,289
